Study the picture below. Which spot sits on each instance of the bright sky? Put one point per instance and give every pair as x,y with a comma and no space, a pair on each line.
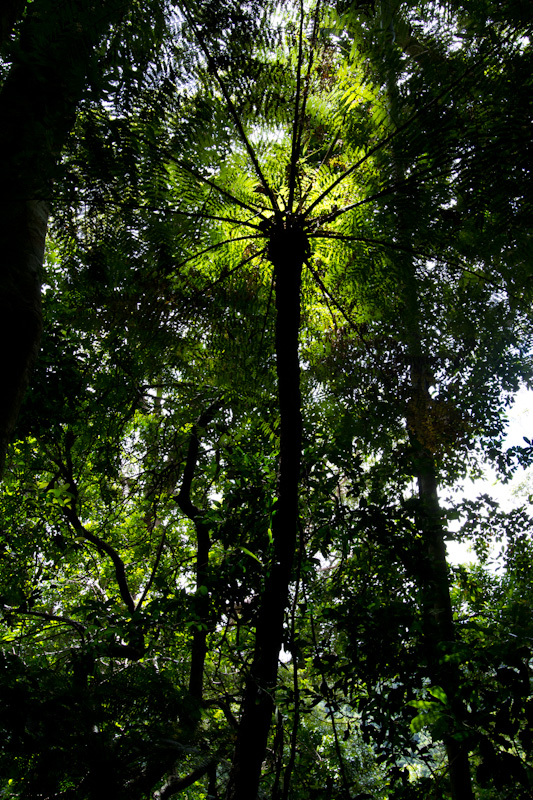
520,425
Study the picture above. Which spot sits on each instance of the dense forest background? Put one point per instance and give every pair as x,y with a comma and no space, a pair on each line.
265,300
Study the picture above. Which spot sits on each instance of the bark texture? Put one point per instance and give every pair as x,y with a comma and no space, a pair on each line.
288,252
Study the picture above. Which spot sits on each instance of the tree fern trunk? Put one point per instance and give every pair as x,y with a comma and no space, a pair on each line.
288,251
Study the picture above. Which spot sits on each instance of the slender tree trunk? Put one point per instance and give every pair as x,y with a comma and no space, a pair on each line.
38,101
199,646
203,546
439,627
433,577
288,251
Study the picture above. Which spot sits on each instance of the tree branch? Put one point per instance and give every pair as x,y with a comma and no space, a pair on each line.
72,517
103,546
175,785
78,626
234,269
154,571
184,497
188,214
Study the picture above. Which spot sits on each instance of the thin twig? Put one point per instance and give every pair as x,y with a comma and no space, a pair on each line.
410,251
78,626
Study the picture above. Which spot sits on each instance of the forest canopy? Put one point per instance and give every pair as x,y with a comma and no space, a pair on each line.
265,303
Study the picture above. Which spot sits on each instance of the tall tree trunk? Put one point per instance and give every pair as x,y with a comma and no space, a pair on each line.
23,225
199,646
439,628
203,546
288,251
38,102
433,579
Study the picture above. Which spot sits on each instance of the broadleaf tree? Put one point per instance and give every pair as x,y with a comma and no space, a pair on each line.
285,296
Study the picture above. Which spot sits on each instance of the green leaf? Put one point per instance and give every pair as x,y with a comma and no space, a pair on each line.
249,553
438,693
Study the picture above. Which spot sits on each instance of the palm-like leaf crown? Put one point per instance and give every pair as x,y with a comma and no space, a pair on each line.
244,149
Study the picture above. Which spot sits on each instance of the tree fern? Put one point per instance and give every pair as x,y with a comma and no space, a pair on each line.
249,145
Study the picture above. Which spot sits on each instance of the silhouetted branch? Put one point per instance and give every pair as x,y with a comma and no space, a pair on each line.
175,785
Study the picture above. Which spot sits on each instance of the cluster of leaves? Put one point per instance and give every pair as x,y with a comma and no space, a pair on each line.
138,503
